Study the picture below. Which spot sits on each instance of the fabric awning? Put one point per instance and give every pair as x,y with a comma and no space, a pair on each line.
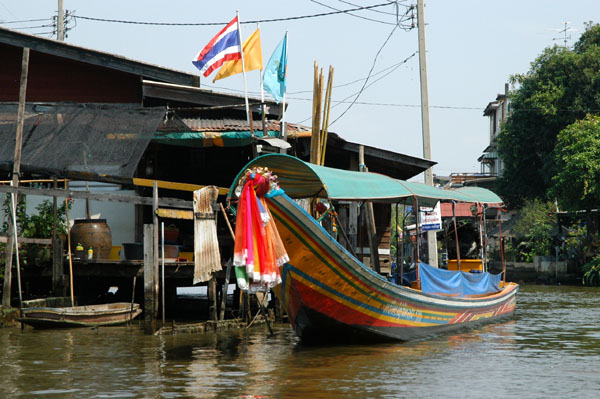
210,139
301,179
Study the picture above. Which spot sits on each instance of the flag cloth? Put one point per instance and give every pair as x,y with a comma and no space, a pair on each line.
225,46
252,58
274,77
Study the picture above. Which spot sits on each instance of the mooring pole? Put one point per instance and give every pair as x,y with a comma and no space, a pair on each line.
149,279
15,177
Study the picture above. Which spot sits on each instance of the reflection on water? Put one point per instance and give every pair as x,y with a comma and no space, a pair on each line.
550,349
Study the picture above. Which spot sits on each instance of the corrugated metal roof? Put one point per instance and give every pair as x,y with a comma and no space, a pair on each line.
236,125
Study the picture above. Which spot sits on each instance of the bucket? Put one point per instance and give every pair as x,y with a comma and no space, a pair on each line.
93,233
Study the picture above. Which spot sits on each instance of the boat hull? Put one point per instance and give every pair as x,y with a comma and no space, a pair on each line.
80,316
331,296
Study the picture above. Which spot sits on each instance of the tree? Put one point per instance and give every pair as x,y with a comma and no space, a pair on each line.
576,185
561,87
535,229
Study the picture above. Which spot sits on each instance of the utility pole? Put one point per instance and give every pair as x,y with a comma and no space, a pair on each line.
61,22
431,235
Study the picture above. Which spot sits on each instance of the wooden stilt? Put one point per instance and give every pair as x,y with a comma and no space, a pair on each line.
149,279
7,288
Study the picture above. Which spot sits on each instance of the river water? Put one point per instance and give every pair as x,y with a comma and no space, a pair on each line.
551,349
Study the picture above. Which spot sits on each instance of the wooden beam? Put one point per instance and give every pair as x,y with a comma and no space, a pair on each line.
175,214
23,240
173,185
166,202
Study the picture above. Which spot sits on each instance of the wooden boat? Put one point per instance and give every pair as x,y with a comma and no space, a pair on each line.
330,295
108,314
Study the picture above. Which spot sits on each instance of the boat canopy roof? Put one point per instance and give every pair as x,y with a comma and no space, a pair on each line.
301,179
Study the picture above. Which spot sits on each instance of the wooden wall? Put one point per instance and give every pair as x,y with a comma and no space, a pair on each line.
57,79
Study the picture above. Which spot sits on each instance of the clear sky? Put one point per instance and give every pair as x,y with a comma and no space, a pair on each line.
473,47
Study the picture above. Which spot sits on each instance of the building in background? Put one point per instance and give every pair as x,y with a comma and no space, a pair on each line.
497,112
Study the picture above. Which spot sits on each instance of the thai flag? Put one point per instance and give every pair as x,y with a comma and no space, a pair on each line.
223,47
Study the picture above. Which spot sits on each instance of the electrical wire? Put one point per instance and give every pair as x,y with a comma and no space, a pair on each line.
25,20
241,22
377,11
393,67
357,16
369,75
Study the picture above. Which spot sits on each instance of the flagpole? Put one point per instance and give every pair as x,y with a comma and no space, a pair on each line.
263,107
283,124
243,67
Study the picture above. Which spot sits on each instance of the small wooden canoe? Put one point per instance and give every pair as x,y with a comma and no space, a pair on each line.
108,314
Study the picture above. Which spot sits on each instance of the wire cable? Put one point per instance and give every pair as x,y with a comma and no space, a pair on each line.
25,20
241,22
357,16
369,75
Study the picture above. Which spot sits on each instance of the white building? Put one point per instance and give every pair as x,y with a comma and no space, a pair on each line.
497,112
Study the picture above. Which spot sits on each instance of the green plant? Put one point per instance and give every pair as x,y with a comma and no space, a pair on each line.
22,218
535,229
41,224
591,272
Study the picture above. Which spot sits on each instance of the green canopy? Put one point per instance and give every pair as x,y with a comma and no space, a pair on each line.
301,179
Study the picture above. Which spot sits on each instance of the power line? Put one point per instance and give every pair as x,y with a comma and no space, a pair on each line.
25,20
392,67
377,11
357,16
368,76
241,22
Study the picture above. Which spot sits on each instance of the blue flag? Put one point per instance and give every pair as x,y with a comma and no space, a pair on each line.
274,76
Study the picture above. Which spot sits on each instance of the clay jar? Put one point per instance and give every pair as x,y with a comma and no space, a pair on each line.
93,233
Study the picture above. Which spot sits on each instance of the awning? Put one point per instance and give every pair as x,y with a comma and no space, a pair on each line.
102,139
210,139
301,179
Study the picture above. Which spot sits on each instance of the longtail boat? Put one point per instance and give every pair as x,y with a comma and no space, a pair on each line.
329,295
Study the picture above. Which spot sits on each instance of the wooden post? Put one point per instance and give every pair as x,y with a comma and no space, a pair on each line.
155,245
15,176
229,266
149,280
372,230
212,298
225,289
69,253
456,235
57,267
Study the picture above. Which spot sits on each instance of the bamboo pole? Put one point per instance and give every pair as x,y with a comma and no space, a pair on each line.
327,105
501,247
14,220
228,270
69,253
417,234
155,232
162,256
370,218
456,235
7,288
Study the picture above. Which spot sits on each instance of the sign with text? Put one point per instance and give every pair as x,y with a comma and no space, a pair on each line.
431,218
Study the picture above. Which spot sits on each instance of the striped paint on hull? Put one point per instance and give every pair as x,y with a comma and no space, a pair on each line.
329,293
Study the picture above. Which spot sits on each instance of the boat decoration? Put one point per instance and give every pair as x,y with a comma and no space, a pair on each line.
258,251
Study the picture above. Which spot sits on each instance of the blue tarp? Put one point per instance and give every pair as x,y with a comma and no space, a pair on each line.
456,283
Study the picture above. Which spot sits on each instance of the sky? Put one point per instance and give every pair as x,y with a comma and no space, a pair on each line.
473,47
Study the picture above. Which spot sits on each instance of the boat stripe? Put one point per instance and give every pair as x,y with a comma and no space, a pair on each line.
292,223
361,306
